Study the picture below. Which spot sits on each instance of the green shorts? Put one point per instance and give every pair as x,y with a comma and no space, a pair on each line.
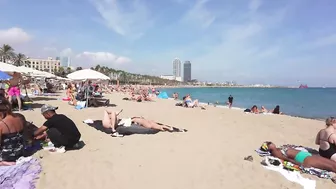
301,156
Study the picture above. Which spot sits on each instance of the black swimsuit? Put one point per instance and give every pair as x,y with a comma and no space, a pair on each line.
330,152
11,146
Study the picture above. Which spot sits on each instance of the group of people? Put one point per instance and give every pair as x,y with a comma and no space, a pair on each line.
86,91
256,110
325,160
58,129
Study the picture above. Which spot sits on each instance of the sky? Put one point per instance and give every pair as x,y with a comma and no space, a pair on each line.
280,42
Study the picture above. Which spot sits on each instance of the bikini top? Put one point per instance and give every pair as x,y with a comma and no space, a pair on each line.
328,139
11,145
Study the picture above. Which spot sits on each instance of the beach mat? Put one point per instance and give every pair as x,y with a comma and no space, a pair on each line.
133,129
289,166
20,176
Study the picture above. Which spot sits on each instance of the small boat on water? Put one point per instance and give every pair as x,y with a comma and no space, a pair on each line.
303,86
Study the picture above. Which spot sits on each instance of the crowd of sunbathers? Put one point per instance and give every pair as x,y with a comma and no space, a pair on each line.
325,160
254,109
86,92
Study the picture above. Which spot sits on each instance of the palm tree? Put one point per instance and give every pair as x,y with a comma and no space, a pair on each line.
6,53
68,70
19,59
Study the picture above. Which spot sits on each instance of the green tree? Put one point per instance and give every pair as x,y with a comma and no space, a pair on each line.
68,70
6,53
19,59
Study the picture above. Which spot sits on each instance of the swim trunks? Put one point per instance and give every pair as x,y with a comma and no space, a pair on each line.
301,156
14,91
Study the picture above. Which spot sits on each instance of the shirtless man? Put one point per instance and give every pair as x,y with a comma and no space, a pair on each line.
14,88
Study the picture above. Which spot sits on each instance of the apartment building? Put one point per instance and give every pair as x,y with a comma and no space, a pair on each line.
48,65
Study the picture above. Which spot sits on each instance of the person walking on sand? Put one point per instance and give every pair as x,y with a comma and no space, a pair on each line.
14,89
230,101
61,130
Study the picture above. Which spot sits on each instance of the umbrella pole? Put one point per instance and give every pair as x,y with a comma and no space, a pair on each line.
26,92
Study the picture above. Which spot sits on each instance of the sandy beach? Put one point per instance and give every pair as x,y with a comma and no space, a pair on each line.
209,155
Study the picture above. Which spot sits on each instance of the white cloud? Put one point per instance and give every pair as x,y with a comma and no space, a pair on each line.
102,58
116,15
66,52
199,14
325,41
14,36
254,5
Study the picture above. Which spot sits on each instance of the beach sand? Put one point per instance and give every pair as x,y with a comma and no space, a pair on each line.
209,155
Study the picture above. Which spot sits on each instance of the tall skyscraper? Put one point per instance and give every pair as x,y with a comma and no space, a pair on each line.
65,61
177,67
187,71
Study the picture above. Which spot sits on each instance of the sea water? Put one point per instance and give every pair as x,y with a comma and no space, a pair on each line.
316,103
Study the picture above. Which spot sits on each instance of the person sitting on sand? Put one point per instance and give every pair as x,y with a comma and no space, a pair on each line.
175,96
276,110
263,109
61,130
11,134
326,138
110,121
255,109
190,103
300,158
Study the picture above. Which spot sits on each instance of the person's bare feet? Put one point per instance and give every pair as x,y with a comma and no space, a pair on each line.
333,179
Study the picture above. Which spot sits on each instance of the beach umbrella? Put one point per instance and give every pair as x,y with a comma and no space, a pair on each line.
87,74
36,73
9,68
4,76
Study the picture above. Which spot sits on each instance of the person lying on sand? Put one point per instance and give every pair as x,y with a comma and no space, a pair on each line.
276,110
263,109
111,121
326,139
301,158
255,109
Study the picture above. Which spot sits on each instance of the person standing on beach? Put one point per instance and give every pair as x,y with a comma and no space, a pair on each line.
230,101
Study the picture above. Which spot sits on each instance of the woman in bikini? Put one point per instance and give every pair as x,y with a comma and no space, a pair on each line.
110,121
326,138
11,134
301,158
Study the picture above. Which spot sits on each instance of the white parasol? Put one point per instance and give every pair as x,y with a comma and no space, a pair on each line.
87,74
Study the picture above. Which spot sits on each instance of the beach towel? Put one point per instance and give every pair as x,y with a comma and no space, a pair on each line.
126,130
293,176
20,176
289,166
163,95
129,130
80,105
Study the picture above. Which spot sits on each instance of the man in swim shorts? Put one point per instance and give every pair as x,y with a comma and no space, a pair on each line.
14,89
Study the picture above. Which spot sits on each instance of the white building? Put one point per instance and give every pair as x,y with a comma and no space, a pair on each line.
177,67
169,77
178,79
49,65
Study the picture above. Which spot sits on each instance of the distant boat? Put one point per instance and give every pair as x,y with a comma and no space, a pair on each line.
303,86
